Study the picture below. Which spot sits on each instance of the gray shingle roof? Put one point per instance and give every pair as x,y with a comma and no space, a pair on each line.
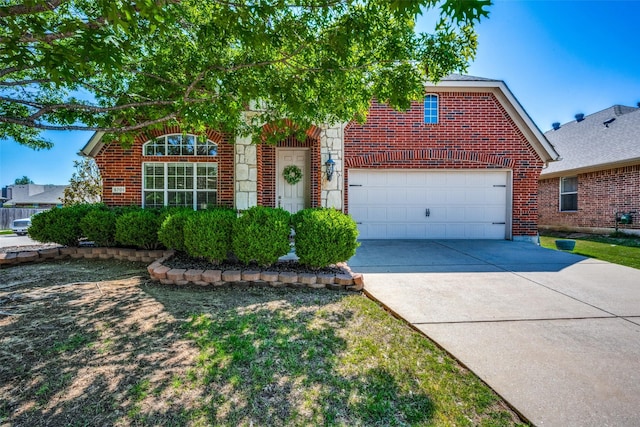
37,194
603,140
466,78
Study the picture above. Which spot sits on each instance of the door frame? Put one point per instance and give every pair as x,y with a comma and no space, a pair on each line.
306,174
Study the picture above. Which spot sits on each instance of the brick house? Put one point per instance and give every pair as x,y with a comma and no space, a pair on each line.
598,179
462,164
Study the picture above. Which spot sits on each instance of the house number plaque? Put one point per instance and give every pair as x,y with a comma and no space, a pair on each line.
118,190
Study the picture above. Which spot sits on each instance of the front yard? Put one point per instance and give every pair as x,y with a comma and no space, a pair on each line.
623,250
88,342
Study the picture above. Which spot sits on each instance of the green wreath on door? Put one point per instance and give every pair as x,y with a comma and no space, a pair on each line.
292,174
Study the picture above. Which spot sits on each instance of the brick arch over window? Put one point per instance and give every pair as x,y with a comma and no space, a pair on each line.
143,137
267,167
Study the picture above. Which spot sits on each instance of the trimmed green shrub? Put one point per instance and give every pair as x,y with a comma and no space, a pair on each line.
99,226
138,228
207,234
261,234
171,233
324,236
59,225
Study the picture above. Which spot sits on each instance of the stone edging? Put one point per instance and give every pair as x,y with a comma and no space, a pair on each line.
11,258
160,273
242,278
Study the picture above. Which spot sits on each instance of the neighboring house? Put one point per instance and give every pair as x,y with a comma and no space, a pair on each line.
598,179
462,164
34,196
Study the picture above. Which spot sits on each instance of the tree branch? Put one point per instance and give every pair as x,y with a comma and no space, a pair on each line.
124,129
22,9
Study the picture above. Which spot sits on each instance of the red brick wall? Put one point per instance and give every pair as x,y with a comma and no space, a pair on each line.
121,166
474,132
600,195
267,170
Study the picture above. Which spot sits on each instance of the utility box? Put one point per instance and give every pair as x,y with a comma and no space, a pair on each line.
625,219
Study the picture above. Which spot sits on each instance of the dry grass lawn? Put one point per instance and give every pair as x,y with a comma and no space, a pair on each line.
96,343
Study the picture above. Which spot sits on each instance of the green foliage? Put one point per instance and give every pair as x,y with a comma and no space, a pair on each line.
261,234
324,236
207,234
99,226
143,64
171,233
59,225
23,181
85,185
139,228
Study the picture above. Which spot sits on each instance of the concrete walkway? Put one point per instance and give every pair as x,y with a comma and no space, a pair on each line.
555,334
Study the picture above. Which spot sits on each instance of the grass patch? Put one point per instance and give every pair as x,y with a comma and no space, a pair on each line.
2,232
128,352
623,250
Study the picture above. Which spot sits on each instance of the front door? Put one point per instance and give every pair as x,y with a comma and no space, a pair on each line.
293,197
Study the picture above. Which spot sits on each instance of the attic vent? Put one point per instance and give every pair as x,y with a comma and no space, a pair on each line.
579,117
606,123
555,125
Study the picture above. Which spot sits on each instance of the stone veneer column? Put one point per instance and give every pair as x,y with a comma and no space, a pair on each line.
332,141
246,178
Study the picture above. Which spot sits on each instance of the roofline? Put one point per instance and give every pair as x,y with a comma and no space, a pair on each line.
592,168
509,102
93,146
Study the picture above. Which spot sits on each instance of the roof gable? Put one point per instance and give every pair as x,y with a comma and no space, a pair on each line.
603,140
535,137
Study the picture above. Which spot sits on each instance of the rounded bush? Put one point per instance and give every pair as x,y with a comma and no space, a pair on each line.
261,235
324,236
171,233
99,226
207,234
59,225
138,228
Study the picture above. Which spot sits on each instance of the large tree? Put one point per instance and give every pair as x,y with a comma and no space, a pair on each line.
125,66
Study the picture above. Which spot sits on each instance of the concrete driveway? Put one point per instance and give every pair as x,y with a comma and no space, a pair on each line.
555,334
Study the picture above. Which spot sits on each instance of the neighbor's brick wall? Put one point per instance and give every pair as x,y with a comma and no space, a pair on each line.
121,166
474,132
600,195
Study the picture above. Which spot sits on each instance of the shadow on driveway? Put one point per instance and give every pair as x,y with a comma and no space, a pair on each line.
458,256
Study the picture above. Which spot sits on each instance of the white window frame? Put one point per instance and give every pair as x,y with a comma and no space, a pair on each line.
163,144
433,115
190,184
562,193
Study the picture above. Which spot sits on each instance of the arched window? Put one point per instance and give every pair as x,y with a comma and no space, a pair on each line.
431,108
180,145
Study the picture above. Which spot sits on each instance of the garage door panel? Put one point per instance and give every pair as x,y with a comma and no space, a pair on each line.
398,196
391,204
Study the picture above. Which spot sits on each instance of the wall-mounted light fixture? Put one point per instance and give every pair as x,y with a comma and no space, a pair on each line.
329,167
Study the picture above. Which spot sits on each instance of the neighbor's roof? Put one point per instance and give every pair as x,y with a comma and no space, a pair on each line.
459,82
607,139
37,194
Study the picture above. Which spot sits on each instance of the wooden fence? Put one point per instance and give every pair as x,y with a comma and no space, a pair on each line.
7,215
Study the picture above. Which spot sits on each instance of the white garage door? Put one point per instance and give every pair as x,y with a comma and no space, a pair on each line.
419,204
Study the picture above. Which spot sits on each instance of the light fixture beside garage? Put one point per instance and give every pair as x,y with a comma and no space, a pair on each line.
329,167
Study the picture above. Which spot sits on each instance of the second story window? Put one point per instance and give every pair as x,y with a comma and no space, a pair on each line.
180,145
431,109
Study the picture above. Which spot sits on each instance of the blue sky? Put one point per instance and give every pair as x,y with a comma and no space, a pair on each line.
559,58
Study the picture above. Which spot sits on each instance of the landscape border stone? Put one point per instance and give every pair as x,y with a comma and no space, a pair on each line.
216,278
